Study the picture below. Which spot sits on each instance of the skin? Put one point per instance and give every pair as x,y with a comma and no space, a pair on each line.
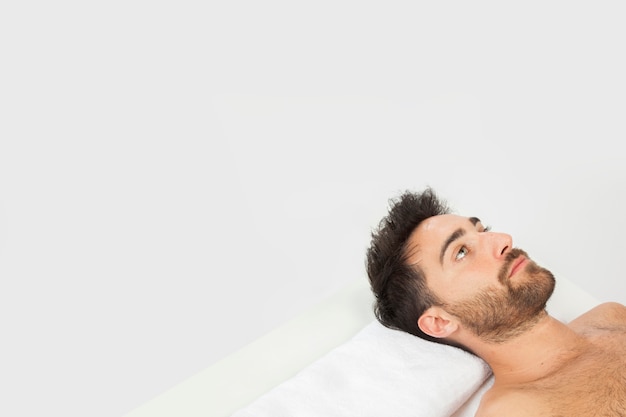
541,366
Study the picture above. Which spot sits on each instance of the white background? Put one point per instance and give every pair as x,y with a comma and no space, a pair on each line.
178,178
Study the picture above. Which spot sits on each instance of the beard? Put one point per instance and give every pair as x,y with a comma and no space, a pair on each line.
498,314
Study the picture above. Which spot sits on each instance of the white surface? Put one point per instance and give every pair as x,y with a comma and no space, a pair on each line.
244,375
178,178
377,372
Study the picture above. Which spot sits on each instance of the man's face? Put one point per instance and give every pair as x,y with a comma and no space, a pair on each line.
495,290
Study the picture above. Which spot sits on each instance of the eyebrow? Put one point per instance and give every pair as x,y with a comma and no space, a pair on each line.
454,236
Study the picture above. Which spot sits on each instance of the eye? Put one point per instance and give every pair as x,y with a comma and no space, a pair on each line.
486,229
461,253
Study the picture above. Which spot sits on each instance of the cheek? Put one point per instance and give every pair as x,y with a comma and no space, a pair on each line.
469,283
452,289
483,271
463,282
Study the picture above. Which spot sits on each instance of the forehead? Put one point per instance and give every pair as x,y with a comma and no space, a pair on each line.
427,238
440,225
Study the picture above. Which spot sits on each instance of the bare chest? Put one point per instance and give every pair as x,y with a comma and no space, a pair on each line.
592,385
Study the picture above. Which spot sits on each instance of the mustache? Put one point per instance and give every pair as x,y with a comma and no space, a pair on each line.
508,261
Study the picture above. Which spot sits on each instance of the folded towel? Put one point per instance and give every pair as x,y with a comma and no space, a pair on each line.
379,372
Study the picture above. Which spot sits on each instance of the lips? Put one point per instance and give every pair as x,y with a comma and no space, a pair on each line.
517,265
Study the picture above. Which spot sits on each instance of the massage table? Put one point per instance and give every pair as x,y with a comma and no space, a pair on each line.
335,360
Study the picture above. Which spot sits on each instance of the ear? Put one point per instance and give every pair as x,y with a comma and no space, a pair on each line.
437,323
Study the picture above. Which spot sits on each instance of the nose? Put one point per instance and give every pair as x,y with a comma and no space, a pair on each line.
499,244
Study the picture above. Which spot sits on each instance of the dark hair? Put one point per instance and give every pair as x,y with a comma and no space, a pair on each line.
401,292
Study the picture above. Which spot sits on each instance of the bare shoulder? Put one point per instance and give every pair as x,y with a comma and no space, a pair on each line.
510,403
603,315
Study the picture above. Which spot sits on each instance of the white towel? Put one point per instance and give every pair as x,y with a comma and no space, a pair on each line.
379,372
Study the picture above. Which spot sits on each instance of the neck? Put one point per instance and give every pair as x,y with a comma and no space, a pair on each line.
540,351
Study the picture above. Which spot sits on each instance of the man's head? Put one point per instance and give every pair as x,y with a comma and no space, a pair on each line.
432,272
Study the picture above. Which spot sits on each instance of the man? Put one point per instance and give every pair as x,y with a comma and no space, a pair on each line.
448,279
